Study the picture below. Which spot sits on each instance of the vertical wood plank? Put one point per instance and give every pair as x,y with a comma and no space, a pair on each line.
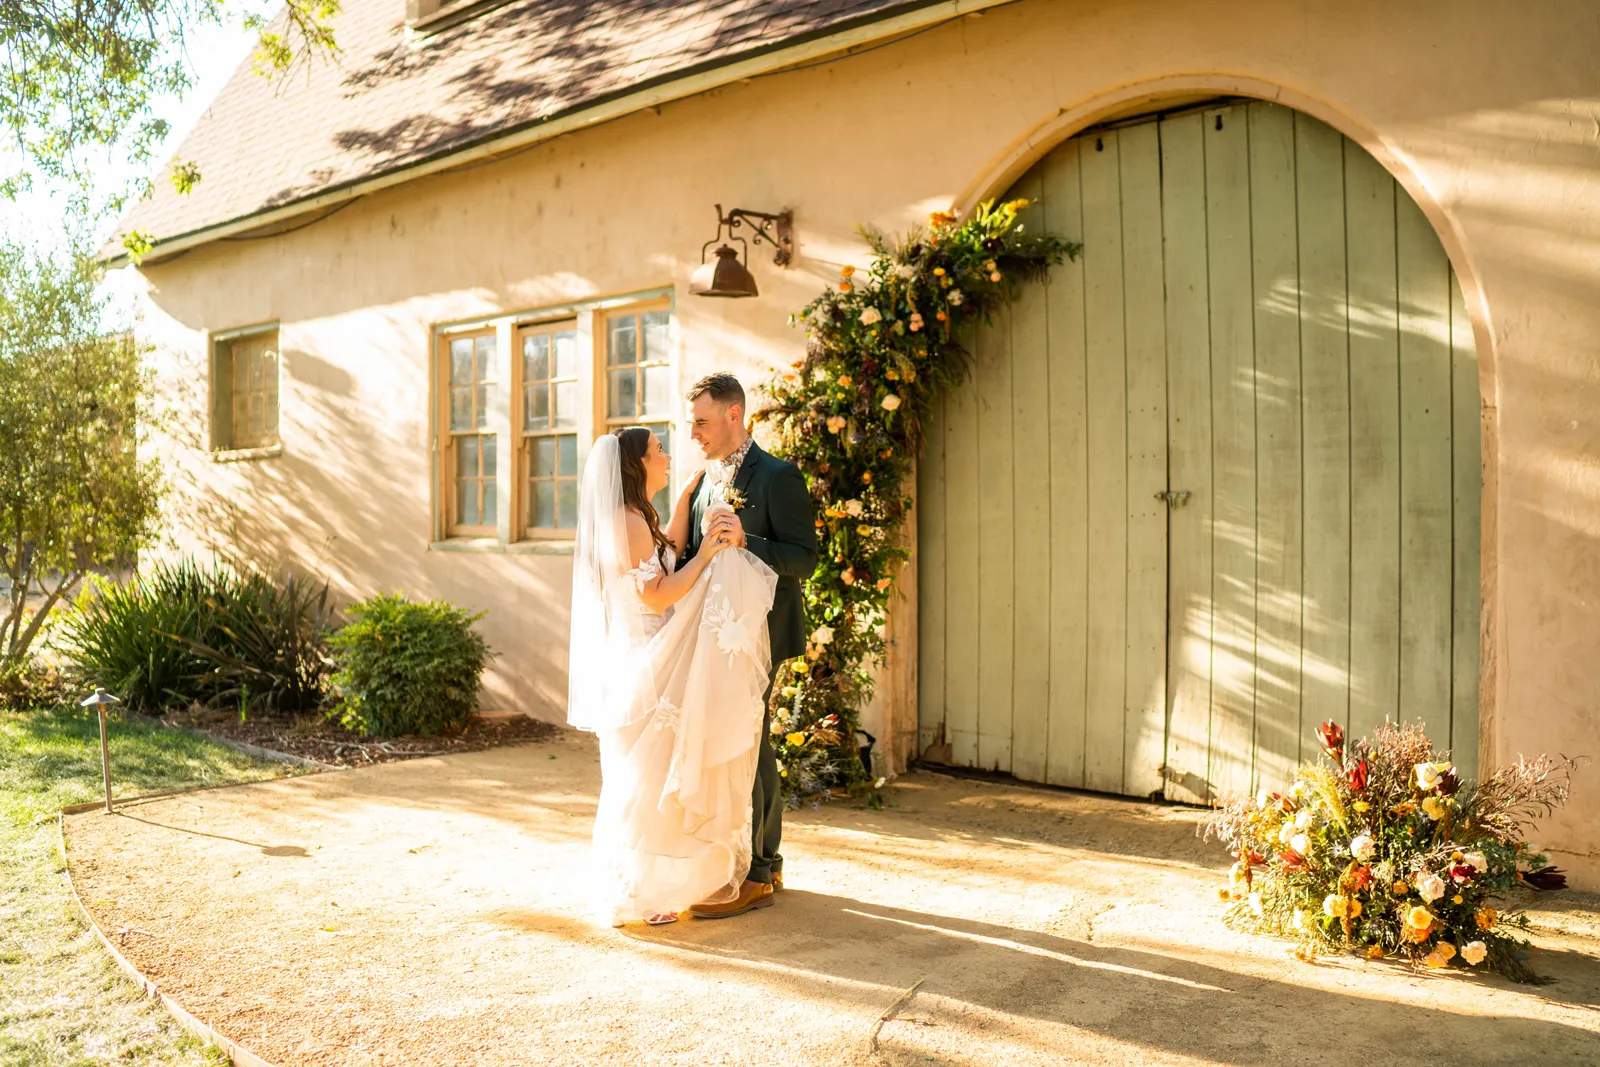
996,507
1276,282
1233,450
1467,482
961,573
1107,438
1427,554
1374,443
933,572
1068,466
1325,413
1183,214
1030,422
1144,713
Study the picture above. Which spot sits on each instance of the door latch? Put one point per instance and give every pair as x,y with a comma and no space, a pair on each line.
1175,498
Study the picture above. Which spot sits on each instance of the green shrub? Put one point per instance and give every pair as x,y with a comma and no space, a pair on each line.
404,667
178,632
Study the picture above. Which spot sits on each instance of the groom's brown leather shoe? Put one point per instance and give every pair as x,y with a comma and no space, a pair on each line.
752,895
777,881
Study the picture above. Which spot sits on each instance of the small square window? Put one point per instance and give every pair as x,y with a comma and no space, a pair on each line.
245,391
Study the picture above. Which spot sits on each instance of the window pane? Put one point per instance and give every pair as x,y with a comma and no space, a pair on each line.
461,407
566,346
569,504
488,454
480,406
544,457
544,505
253,360
258,414
269,367
622,394
486,358
657,390
487,485
536,407
663,503
568,456
536,357
655,335
466,457
622,341
467,502
460,362
241,414
566,403
270,427
241,369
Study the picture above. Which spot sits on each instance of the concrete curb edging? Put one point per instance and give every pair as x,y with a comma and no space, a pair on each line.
236,1053
254,750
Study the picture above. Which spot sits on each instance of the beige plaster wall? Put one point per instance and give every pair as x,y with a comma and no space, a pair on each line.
1488,112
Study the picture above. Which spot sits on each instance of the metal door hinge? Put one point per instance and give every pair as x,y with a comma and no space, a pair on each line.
1175,498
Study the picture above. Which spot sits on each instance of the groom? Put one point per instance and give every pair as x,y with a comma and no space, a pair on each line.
775,521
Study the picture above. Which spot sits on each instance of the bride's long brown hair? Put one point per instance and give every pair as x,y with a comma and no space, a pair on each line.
634,444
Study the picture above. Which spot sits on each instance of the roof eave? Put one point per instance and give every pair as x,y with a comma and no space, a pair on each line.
678,85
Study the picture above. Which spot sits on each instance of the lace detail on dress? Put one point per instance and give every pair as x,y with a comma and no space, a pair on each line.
647,571
665,715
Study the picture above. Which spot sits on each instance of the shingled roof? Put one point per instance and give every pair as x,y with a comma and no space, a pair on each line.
393,103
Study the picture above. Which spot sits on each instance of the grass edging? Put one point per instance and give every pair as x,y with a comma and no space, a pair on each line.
253,750
237,1053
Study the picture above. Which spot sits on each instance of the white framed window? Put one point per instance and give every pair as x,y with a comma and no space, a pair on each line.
468,445
549,406
639,380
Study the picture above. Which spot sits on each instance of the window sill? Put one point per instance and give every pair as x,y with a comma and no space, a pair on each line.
495,547
240,455
451,15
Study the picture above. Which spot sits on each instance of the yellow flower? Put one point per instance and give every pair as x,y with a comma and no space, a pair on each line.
1457,857
1400,889
795,739
1354,909
938,272
1362,805
883,583
845,287
1435,958
1445,949
1018,204
1434,807
845,380
1486,918
1456,899
866,479
1419,918
994,276
800,667
1337,907
846,270
1375,952
864,531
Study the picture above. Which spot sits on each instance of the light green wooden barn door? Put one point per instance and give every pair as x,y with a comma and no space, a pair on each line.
1261,318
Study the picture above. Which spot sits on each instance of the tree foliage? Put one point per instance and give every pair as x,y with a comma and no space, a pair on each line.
74,493
82,74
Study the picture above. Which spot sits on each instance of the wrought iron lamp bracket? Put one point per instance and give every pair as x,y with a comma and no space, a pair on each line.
775,229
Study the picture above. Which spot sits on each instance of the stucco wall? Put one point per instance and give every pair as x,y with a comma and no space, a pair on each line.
1488,113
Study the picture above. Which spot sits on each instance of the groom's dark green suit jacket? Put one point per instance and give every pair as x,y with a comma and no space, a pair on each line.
780,529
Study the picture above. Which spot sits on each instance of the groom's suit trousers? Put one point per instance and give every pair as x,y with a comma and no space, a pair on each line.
766,805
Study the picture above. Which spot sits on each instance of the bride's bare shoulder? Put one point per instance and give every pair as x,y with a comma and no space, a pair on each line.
640,543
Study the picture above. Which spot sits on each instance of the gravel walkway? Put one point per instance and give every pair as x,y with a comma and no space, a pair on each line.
432,912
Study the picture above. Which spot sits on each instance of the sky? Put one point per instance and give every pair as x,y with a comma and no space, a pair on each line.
41,217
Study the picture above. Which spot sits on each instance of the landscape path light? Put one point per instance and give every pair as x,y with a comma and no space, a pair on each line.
98,701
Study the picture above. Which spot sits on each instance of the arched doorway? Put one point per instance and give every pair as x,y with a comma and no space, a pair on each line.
1212,483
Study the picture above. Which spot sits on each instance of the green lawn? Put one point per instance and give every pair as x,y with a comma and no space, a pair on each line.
62,1000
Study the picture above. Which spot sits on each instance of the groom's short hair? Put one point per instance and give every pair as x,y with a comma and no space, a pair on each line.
723,388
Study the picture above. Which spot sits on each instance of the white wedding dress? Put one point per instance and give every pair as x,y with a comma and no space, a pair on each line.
675,701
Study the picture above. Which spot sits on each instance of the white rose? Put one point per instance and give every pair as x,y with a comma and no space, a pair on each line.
853,508
1301,844
1361,847
891,402
1299,921
1427,775
871,316
823,636
1474,952
1285,832
1256,905
905,270
1263,798
1430,885
955,296
1477,861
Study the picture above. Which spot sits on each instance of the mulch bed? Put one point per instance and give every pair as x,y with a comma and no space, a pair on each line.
315,738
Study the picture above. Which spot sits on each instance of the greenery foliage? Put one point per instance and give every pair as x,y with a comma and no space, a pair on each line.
1382,849
406,667
882,346
82,76
74,494
178,632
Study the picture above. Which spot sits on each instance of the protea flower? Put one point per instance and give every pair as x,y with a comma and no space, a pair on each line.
1331,734
1292,860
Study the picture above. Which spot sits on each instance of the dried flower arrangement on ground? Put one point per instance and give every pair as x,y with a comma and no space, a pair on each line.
1382,849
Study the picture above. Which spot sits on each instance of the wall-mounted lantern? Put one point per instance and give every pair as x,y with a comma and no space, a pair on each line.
725,275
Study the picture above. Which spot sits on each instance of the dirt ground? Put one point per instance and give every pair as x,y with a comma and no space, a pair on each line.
433,912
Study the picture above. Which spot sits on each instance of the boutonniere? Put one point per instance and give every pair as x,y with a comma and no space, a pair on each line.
735,499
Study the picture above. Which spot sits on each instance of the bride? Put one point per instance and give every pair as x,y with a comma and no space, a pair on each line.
668,668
